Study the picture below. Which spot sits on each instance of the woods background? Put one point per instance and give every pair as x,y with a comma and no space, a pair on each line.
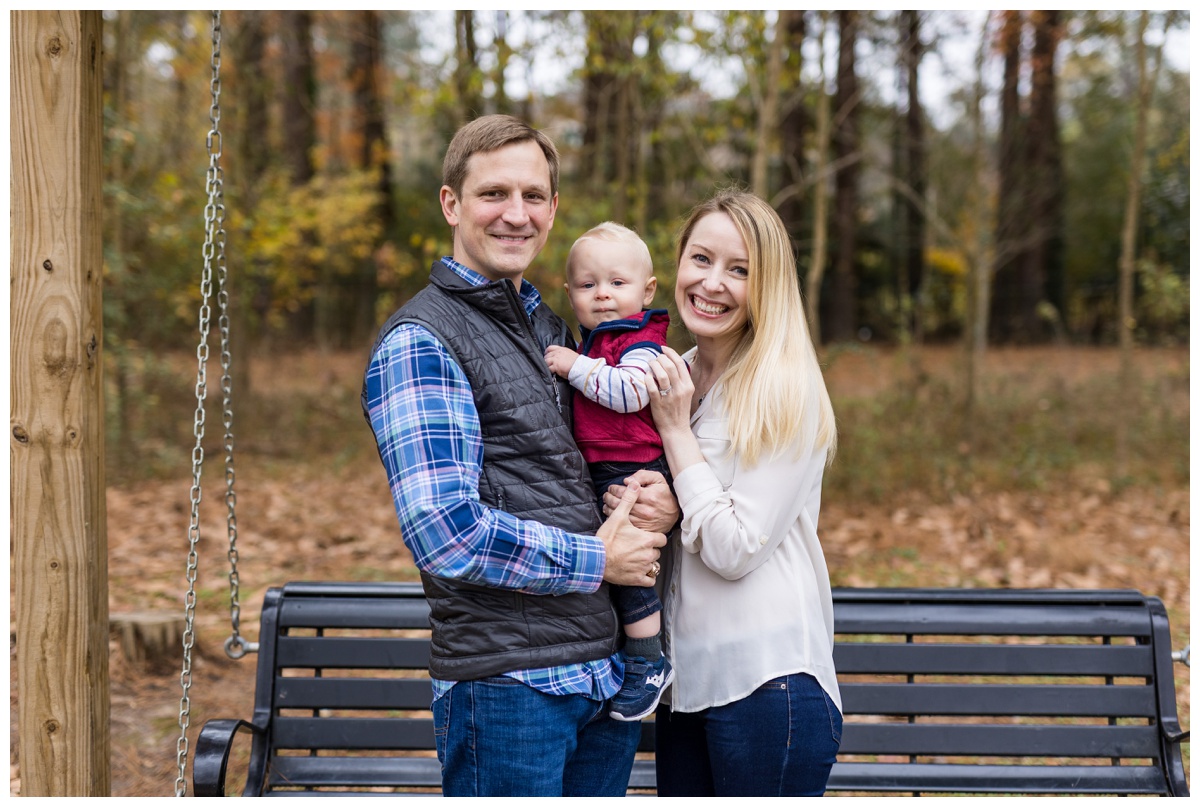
990,211
908,152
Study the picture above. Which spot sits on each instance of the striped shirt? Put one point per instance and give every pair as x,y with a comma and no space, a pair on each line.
423,414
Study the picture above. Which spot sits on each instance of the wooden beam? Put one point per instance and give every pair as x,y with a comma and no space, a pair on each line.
59,542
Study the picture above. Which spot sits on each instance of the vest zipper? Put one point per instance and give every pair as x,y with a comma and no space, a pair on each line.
515,301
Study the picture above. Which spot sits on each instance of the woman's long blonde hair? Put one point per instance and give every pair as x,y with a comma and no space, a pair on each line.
774,392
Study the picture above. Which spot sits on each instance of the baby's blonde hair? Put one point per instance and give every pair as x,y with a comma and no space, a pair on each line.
618,234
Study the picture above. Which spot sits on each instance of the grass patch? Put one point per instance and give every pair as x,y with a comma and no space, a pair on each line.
1032,429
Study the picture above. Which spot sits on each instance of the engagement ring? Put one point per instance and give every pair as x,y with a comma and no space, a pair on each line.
655,568
664,391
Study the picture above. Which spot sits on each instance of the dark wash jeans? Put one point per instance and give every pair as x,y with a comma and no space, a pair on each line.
781,740
500,737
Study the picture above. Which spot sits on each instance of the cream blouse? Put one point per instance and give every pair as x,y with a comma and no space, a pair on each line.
747,599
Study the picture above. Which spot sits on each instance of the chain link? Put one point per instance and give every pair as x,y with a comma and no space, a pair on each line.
235,646
214,216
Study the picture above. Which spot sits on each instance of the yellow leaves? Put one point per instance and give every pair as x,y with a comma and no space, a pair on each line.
946,261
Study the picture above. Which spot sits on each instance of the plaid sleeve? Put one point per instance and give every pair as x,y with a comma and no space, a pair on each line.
427,428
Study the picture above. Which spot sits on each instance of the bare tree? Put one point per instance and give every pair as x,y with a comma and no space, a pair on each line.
792,132
1012,219
911,154
503,51
842,319
467,79
1147,79
299,95
366,77
816,267
1044,271
768,115
979,251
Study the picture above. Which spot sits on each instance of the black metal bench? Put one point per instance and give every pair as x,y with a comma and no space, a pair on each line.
972,691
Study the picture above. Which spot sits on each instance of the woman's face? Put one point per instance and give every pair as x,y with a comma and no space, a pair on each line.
710,283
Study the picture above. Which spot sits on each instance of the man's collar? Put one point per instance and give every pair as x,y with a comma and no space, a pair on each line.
531,298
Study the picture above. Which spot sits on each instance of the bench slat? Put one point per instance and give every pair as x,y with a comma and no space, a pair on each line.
356,772
353,693
998,619
350,653
998,699
344,733
883,658
934,778
956,740
975,679
352,612
845,776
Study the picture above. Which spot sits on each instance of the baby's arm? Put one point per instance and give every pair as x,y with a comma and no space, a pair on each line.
560,359
621,388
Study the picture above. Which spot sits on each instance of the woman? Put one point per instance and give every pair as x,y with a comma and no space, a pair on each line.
748,429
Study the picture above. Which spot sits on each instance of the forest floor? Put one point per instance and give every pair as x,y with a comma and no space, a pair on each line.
329,516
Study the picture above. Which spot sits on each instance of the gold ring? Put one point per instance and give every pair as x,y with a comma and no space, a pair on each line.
655,568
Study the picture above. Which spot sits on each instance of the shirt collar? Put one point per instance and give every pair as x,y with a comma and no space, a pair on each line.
531,298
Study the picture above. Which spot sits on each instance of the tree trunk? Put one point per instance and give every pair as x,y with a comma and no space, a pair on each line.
1045,272
466,68
769,114
980,258
816,269
842,320
611,140
792,131
502,103
299,95
1006,313
1126,323
913,259
251,160
375,157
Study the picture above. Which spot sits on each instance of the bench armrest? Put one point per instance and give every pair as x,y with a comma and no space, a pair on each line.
212,757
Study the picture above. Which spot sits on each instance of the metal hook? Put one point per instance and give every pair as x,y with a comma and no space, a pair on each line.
235,648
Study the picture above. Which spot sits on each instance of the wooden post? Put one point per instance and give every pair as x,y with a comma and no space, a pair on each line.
59,544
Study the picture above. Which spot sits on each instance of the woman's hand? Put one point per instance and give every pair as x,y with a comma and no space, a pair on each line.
656,509
670,385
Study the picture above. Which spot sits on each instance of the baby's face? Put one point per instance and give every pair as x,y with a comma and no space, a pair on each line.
608,281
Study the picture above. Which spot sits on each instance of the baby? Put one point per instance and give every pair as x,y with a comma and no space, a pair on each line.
610,283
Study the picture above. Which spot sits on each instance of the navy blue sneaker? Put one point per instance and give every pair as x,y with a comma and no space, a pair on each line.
643,686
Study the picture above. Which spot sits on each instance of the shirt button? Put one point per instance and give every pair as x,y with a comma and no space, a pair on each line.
762,539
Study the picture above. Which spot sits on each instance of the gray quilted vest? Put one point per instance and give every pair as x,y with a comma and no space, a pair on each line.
531,469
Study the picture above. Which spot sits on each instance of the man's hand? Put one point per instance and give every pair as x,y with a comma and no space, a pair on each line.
630,554
560,360
656,508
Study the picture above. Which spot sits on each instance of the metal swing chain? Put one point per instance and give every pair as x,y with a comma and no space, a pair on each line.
214,232
235,646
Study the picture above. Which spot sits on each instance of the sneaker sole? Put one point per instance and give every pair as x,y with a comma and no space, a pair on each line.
635,718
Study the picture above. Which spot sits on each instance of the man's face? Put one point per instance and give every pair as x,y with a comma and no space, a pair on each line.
505,211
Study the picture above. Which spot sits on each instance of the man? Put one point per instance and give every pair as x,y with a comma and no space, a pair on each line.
493,496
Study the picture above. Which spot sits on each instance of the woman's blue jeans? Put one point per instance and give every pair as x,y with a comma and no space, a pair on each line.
500,737
781,740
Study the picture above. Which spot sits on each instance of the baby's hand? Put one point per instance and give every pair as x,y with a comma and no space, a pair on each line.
560,359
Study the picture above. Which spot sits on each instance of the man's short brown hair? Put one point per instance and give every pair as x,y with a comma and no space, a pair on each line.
489,133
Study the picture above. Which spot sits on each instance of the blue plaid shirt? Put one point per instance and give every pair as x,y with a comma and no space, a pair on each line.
425,421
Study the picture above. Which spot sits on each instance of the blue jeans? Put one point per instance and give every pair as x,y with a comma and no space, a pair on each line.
781,740
500,737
